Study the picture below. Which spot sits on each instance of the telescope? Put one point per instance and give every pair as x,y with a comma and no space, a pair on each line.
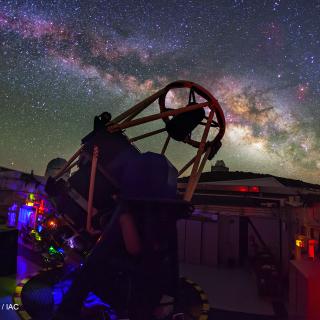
111,172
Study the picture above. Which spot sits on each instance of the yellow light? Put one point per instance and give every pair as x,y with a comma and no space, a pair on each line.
299,243
30,204
36,235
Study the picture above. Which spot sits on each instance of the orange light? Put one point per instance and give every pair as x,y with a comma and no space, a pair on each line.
299,243
52,224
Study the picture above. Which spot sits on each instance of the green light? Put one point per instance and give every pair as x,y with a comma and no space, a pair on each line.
32,197
52,250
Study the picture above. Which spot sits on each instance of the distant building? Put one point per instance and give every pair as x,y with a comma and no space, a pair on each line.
219,167
54,166
238,213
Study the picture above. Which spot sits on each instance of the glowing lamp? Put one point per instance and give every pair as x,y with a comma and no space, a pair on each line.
299,243
52,250
41,207
254,189
36,235
11,222
52,224
12,216
311,246
71,243
30,204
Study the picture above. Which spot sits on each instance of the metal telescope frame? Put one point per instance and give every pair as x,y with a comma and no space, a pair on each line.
206,149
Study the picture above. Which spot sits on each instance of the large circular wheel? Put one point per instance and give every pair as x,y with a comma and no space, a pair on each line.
210,102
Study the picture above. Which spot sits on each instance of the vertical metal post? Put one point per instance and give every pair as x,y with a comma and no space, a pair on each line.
194,177
200,169
163,151
91,186
280,248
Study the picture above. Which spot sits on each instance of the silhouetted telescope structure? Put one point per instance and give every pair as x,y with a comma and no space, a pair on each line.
111,171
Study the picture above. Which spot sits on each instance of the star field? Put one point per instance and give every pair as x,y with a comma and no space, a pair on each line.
63,62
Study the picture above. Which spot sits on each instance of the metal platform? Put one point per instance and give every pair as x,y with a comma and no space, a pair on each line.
43,292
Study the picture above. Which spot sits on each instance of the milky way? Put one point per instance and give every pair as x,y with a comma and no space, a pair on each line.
62,62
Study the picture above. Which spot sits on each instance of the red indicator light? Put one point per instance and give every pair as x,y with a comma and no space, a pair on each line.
254,189
311,249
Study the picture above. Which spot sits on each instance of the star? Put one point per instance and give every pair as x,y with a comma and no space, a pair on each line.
62,63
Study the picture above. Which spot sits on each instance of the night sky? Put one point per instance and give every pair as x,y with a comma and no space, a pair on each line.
62,62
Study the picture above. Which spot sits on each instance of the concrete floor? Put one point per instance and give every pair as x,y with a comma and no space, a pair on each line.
229,289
